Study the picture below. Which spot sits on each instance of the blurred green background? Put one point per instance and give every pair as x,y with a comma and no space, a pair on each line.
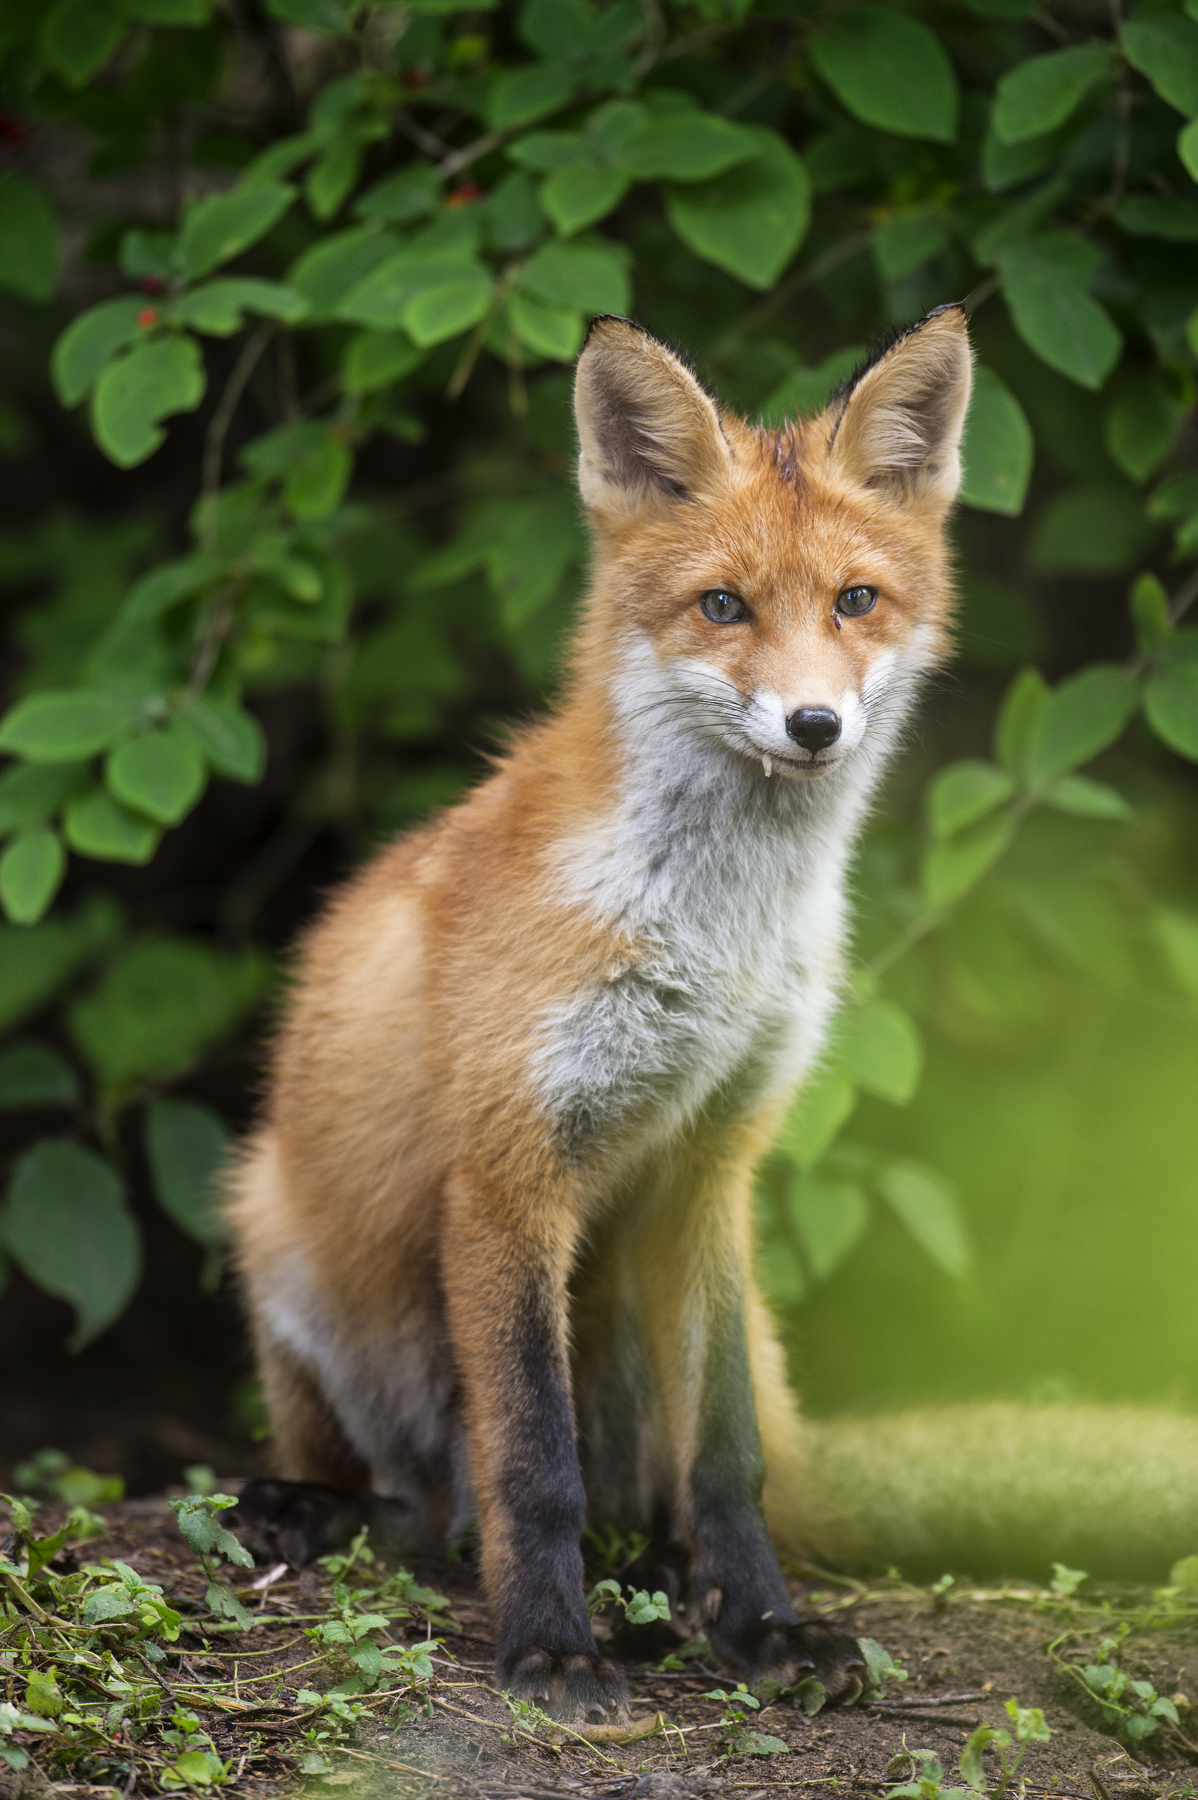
289,295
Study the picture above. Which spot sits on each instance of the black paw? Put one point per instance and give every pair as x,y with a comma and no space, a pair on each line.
793,1652
294,1521
572,1686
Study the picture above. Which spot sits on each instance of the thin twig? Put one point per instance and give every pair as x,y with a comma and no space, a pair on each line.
218,428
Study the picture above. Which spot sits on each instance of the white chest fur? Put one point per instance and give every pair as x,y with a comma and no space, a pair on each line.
729,886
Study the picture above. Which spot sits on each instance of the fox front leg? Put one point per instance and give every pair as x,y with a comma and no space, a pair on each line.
505,1285
690,1251
738,1589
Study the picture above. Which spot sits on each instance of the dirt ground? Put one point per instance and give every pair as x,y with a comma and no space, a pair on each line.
966,1652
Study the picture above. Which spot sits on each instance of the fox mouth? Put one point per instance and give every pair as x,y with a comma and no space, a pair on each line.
785,762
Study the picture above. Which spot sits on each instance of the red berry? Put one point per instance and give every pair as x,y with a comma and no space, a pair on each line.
13,131
151,284
147,316
463,195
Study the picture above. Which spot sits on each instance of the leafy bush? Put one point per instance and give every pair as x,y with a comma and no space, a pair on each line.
311,276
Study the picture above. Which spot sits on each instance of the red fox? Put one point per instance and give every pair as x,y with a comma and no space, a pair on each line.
494,1232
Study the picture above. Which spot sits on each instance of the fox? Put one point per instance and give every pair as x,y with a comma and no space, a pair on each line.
494,1228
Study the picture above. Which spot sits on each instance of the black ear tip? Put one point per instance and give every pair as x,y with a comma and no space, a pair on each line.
602,321
950,306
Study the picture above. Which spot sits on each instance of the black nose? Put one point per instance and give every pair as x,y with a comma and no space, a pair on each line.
814,727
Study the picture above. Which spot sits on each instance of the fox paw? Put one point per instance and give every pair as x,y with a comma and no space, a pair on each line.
794,1652
294,1521
572,1686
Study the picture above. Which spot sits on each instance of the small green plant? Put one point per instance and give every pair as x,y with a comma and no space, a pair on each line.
1133,1709
925,1771
1065,1582
51,1472
614,1546
736,1736
374,1665
198,1519
880,1666
640,1607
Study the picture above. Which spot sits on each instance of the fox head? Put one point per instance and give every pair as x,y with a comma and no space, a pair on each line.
782,593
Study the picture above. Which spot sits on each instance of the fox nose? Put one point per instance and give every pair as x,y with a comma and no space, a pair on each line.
814,727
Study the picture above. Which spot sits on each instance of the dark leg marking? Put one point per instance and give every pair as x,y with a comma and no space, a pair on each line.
738,1589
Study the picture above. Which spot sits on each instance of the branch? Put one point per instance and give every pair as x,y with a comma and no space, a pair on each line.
218,426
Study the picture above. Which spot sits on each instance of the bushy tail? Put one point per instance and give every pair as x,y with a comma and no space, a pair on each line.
988,1490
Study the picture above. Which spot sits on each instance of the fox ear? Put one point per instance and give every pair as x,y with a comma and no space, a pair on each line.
648,433
899,425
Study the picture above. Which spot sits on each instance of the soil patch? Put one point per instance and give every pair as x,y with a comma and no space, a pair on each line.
966,1651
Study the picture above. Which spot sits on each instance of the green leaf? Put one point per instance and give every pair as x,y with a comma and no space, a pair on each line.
381,298
230,740
1099,529
33,792
890,71
446,308
1152,215
187,1147
1171,703
28,239
553,331
168,12
924,1202
1149,606
579,196
87,344
759,1743
221,226
315,482
166,585
880,1050
589,278
328,272
1045,283
160,1006
906,242
377,358
159,774
218,307
965,792
750,221
31,872
1086,799
1141,425
65,727
35,1075
36,961
952,866
830,1217
1038,95
78,37
823,1104
96,825
1164,47
1187,149
1079,718
67,1226
134,393
410,193
1021,706
970,1761
998,448
521,95
688,145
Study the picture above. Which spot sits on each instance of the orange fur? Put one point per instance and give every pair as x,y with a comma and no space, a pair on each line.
409,1200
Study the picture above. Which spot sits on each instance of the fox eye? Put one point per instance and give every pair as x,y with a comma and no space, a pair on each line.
722,607
854,601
